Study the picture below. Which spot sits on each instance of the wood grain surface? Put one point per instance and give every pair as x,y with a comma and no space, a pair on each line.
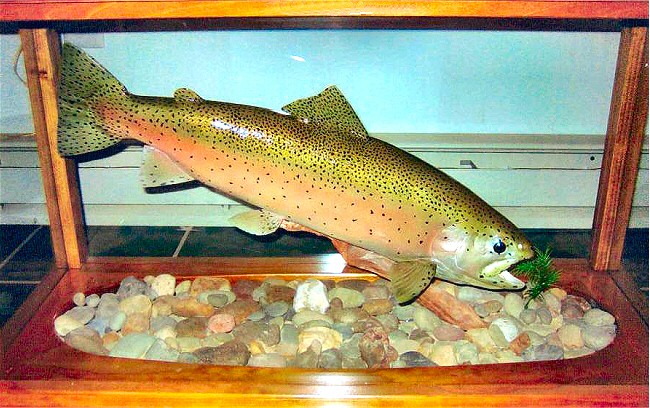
50,10
41,370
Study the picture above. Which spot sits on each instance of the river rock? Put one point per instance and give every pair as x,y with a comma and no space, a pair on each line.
571,337
136,304
241,309
542,353
134,345
164,284
307,315
159,351
328,338
597,317
450,309
598,337
416,359
481,337
465,352
351,298
443,354
276,308
232,353
447,332
79,299
135,323
520,343
330,359
82,314
376,291
375,349
64,324
311,295
192,327
92,300
375,307
117,321
267,360
280,294
221,323
205,283
503,331
131,286
513,304
425,319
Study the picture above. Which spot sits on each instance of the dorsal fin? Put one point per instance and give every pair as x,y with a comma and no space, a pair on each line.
186,95
328,108
159,170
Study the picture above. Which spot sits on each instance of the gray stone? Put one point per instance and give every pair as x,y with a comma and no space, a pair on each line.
598,337
542,353
82,314
92,300
131,286
117,321
416,359
134,345
330,359
160,352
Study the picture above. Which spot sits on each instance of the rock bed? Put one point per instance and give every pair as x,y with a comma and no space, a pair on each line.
324,324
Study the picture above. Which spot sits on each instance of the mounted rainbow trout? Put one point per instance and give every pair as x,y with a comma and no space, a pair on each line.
311,168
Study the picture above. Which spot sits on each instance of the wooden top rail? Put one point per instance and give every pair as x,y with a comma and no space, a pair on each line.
84,10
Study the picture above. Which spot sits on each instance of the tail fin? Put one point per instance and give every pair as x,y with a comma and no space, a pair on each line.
83,81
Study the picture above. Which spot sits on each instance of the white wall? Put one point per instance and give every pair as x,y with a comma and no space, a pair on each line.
398,81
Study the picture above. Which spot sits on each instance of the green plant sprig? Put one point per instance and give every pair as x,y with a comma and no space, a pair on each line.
540,273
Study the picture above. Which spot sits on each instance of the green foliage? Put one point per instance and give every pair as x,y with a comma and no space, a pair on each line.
540,273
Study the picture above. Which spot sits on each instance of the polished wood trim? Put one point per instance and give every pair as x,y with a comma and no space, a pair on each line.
14,10
623,143
41,53
41,370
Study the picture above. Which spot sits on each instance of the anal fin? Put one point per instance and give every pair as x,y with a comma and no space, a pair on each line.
410,278
159,170
257,222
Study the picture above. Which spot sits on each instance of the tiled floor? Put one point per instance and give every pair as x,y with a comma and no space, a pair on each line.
26,251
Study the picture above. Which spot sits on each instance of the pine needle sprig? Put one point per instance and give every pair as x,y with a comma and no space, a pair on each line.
540,273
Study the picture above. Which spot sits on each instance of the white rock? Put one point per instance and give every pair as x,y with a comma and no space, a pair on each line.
92,300
79,299
164,284
311,295
598,337
513,305
503,331
64,324
442,353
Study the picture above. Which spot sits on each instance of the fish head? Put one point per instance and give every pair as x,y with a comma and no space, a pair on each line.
482,256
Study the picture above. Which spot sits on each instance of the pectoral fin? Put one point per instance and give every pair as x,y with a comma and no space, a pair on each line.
159,170
257,222
410,278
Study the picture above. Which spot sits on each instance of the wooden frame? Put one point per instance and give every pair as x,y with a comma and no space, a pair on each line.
42,374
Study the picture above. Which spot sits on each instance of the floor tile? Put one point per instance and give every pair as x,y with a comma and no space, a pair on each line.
13,235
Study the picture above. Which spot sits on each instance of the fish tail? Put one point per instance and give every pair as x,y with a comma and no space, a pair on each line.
83,84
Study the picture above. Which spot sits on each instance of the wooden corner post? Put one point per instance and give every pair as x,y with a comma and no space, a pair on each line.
41,50
625,132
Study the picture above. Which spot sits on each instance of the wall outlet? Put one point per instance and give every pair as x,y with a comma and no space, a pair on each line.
85,40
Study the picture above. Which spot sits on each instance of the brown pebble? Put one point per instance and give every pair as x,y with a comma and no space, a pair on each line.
375,348
447,332
110,338
136,323
280,293
376,307
231,353
244,288
192,327
240,309
520,343
162,306
354,284
203,283
191,307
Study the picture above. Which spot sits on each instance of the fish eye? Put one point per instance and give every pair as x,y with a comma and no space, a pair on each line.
499,247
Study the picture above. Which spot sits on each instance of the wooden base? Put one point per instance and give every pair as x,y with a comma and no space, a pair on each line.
40,370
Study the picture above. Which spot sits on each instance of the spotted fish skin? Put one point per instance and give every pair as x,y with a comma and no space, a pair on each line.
315,166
